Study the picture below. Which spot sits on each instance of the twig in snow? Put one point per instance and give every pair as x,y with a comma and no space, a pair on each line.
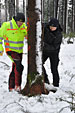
63,109
22,108
6,66
4,63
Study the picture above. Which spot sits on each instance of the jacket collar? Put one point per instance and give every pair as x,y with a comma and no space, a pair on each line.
14,22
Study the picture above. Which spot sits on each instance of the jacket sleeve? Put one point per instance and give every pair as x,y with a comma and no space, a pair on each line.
2,31
58,41
25,30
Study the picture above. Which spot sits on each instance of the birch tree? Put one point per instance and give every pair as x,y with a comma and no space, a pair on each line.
35,82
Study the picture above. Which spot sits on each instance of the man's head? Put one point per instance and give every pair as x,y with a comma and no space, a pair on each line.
20,19
53,24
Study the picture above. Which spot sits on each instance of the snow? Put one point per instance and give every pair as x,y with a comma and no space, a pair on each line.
38,38
59,102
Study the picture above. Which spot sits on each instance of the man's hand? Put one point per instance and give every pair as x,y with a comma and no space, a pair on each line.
1,53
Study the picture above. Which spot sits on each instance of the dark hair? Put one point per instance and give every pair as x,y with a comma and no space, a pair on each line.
54,22
19,17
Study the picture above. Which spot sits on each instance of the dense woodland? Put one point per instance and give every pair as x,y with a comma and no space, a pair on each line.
64,10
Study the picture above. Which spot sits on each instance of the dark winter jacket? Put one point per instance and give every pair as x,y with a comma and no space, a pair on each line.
52,39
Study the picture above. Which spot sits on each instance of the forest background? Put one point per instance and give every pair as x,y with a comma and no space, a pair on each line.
64,10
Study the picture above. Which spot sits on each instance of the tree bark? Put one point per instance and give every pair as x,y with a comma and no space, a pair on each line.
35,82
55,8
17,6
72,27
74,16
65,13
24,6
11,8
0,12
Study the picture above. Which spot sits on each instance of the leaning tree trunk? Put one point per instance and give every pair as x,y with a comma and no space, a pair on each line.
35,82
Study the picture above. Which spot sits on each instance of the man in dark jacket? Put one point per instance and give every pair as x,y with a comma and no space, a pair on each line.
51,47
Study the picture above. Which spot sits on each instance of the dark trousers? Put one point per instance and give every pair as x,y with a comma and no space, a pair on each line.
54,61
15,77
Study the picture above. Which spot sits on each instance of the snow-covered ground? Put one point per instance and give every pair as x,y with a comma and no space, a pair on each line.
63,101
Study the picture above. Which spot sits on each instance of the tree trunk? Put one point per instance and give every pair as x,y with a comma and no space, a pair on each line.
11,8
17,6
42,11
48,10
24,6
67,31
0,12
62,22
65,13
35,82
74,16
55,8
72,27
7,10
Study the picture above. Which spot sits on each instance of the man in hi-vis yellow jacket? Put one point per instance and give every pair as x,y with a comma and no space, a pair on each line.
13,33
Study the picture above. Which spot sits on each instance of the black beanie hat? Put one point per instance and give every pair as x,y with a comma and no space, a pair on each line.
19,17
54,22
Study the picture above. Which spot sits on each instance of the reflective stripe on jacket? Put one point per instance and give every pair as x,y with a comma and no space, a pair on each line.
13,36
1,47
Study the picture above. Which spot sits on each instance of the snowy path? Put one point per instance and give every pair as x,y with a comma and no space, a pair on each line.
12,102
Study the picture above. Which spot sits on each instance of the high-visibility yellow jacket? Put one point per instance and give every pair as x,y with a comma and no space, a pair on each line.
13,36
